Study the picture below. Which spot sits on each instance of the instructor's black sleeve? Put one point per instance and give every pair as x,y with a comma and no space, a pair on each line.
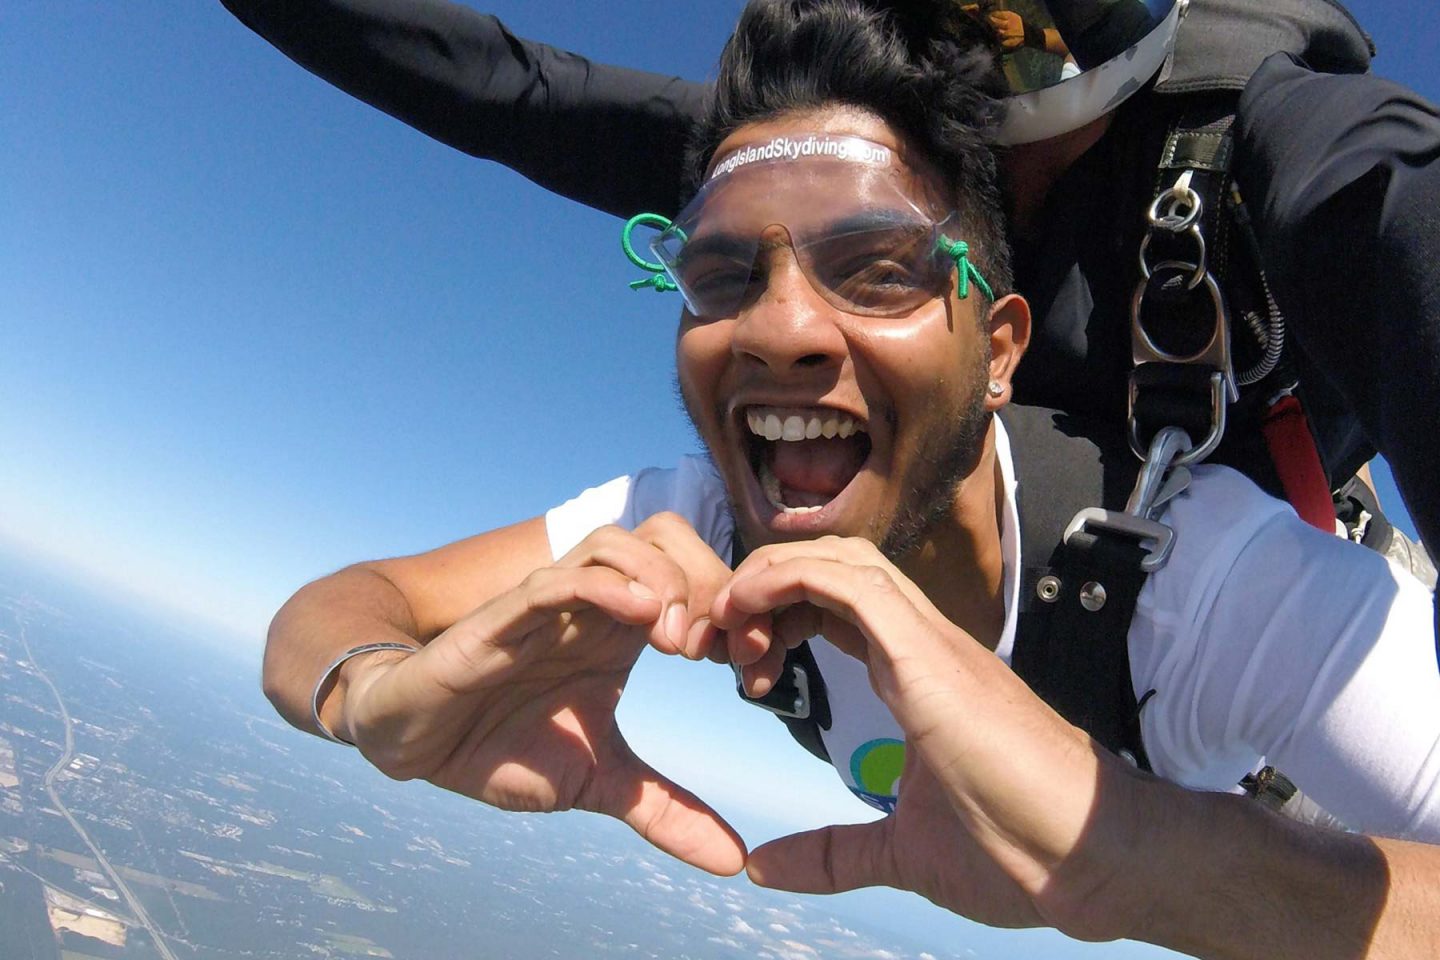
606,136
1342,173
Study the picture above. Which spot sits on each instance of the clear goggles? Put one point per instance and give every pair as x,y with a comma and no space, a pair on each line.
861,239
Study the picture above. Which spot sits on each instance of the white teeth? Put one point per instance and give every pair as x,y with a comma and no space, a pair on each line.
795,427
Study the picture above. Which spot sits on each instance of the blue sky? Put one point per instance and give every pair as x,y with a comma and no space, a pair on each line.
252,330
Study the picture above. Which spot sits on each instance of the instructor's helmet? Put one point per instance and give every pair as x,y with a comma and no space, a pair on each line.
1068,62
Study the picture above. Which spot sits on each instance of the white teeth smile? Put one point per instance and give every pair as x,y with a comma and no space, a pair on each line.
794,427
791,429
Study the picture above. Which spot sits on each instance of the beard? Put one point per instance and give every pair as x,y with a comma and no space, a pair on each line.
948,452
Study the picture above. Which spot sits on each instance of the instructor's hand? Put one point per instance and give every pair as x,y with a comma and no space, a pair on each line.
515,704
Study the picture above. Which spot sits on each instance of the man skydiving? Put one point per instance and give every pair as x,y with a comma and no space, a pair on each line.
847,341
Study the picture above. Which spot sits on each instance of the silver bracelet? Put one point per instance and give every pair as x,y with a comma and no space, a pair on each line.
330,672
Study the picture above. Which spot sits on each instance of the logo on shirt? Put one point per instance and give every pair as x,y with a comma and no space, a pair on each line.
875,769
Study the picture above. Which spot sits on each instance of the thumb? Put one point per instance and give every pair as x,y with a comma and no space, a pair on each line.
670,817
829,860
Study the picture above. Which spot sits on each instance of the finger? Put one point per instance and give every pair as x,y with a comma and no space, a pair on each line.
705,640
760,677
482,648
799,623
668,816
794,625
864,595
847,550
666,555
829,860
894,631
786,631
622,550
750,640
705,571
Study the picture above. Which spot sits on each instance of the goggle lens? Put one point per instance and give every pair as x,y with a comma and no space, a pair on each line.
887,269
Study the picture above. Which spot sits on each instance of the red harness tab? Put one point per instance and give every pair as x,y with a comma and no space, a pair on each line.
1297,463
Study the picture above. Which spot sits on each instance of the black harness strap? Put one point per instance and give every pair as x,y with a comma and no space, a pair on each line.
1076,597
1076,656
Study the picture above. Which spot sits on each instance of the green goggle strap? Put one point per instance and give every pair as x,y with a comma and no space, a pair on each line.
658,279
959,251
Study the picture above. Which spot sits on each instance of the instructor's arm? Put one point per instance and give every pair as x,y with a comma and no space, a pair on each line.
607,136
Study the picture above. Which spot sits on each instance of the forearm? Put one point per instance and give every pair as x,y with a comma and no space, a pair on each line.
1241,882
1054,43
318,624
407,600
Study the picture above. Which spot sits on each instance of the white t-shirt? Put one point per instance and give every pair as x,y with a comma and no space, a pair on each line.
1266,641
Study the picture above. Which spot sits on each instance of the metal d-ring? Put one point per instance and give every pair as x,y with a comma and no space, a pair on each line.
1216,349
1197,276
1220,387
1180,195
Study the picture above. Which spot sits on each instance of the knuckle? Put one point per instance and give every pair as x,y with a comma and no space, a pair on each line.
535,584
604,536
875,579
665,520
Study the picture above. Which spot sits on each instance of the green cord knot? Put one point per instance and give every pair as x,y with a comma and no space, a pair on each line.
659,281
959,251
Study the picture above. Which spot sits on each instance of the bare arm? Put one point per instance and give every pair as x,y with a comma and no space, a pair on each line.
1013,817
511,700
409,599
1243,882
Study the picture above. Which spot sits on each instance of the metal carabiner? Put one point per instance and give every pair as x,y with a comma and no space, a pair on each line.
1165,452
1161,478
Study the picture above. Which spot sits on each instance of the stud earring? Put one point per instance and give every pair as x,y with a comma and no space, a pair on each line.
996,388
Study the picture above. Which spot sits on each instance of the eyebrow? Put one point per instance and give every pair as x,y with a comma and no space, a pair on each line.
735,247
873,219
728,245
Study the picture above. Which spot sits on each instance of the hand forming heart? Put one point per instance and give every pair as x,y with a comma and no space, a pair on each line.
515,704
997,816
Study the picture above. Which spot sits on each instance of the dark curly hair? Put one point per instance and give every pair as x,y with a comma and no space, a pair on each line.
923,66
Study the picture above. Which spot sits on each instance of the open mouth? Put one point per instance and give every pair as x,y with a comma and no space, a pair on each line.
804,458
